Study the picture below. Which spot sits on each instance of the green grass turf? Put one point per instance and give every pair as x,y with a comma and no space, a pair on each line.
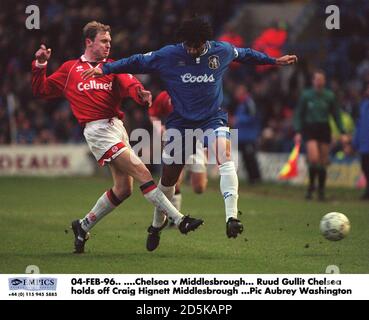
281,231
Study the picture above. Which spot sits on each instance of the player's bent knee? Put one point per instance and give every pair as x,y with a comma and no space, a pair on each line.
314,163
199,182
199,189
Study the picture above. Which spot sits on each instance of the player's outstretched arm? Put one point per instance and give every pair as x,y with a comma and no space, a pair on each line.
251,56
136,64
133,64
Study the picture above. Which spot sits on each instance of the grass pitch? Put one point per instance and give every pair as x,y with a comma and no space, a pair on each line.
281,231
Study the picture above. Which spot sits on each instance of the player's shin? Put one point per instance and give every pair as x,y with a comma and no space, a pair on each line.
177,200
104,205
159,216
229,188
160,201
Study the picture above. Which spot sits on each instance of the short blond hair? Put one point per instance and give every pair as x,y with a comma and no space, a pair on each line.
91,29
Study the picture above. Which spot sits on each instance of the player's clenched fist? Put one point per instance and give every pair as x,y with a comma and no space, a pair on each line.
286,60
145,96
43,54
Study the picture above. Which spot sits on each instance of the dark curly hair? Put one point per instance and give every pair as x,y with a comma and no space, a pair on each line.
195,31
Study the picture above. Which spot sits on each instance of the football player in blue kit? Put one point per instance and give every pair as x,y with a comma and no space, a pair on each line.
192,72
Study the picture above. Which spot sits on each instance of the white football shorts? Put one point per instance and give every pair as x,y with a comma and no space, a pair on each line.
106,138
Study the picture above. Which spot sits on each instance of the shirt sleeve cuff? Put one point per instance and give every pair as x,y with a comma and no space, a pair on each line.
105,69
40,65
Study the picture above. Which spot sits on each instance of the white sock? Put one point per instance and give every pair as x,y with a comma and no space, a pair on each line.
177,201
159,200
229,188
106,203
159,216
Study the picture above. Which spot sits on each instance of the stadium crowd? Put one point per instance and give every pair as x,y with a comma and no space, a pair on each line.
142,26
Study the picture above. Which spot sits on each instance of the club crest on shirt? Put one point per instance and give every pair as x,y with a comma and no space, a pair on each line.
79,69
214,62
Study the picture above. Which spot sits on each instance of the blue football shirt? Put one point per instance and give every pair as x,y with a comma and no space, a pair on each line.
194,84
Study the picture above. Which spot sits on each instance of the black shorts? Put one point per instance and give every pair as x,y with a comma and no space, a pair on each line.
320,132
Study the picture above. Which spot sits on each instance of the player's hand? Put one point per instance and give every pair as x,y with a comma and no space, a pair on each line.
43,54
286,60
92,73
298,138
145,96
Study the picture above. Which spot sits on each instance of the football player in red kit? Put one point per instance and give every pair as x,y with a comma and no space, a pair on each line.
95,103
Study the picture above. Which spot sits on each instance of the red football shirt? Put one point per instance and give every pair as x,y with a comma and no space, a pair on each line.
162,105
90,100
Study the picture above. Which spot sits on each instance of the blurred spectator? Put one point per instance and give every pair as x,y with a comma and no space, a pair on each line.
230,35
247,121
137,26
348,125
361,138
311,122
146,26
4,123
271,42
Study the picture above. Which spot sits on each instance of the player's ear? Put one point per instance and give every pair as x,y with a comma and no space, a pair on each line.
88,42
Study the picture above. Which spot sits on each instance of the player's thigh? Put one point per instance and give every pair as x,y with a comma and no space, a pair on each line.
324,153
128,163
221,146
170,174
199,181
312,151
